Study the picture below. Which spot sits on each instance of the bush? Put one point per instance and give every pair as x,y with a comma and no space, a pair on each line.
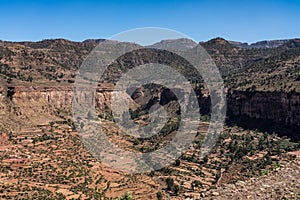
126,196
170,184
159,196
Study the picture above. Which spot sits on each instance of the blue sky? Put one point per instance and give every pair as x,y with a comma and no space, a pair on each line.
239,20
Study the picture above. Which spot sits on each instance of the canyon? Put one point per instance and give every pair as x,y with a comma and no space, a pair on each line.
267,107
41,152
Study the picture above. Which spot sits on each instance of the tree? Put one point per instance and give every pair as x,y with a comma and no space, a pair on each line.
205,159
176,189
60,196
9,80
170,184
196,183
30,78
159,196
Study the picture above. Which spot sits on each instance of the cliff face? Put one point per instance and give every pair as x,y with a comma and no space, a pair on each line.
40,104
279,107
260,44
40,99
266,111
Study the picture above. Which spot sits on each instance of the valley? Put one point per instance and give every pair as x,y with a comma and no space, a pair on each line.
42,156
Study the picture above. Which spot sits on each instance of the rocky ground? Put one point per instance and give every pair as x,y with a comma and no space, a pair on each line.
283,183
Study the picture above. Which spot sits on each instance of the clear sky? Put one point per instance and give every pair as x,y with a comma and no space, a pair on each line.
239,20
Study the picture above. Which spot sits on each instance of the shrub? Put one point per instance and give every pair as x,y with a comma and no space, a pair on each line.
159,196
126,196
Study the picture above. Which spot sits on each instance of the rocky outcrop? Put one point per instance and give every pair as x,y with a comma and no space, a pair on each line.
266,111
260,44
2,96
54,97
276,106
60,96
37,105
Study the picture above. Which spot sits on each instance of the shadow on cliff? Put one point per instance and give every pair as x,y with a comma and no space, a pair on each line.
262,125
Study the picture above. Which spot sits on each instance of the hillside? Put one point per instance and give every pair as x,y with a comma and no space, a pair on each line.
57,60
278,72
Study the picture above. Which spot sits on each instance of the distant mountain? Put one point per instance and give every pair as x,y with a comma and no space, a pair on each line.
93,40
182,43
218,45
260,44
57,60
226,55
239,44
294,43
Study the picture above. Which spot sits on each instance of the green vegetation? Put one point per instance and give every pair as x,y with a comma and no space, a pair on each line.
171,186
159,196
126,196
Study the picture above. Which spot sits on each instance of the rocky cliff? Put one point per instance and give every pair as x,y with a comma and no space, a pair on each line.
260,44
275,111
260,109
280,107
36,105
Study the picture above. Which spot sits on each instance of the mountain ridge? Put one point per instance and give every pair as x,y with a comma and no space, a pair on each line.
261,44
258,44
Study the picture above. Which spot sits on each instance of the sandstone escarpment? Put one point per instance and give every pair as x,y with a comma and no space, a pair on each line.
38,105
54,97
279,107
268,111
